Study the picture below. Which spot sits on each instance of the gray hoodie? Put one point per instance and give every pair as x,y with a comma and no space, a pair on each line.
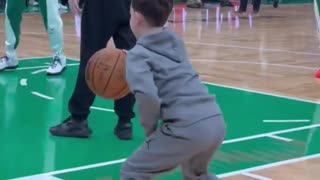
165,84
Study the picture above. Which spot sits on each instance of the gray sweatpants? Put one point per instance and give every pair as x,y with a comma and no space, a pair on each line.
172,145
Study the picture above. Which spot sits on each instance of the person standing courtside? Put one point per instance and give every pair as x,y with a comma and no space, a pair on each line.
101,20
256,5
54,27
244,3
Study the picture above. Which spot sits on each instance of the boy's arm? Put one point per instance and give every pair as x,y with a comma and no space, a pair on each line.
142,85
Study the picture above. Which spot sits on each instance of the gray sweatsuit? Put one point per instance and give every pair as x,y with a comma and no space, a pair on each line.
167,89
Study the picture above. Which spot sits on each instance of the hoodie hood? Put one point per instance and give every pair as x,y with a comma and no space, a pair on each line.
165,43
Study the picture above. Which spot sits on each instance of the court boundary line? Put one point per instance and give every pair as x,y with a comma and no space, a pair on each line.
255,176
42,95
208,83
207,44
270,165
107,163
263,93
75,169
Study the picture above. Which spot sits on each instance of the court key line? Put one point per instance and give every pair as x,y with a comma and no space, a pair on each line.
42,95
102,109
286,121
38,71
122,160
264,93
37,67
214,84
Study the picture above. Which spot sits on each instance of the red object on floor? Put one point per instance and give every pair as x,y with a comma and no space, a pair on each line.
318,74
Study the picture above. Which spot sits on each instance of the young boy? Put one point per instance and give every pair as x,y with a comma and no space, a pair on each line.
167,88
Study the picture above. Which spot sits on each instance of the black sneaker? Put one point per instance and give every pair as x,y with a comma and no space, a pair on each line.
72,128
123,131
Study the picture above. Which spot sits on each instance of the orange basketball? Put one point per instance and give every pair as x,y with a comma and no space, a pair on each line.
105,73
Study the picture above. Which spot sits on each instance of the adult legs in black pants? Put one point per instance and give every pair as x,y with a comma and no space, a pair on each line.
243,6
101,20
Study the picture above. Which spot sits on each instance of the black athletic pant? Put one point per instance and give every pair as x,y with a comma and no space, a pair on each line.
101,20
244,3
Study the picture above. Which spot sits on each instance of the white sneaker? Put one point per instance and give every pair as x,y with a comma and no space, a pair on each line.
58,66
62,7
7,63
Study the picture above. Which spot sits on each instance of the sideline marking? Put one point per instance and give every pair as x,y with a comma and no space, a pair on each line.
42,95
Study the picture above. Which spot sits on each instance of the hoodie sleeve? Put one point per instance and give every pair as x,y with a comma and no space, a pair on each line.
140,79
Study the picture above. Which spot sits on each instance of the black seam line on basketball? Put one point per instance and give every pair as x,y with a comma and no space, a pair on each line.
123,89
115,65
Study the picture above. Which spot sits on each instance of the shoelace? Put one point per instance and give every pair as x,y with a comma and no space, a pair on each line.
56,61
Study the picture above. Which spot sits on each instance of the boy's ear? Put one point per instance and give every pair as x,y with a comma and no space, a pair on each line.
138,16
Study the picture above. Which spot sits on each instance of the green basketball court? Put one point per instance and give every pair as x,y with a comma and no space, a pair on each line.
263,129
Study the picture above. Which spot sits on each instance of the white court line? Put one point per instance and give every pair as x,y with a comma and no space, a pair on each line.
286,121
31,67
64,171
39,177
251,48
266,166
280,138
37,67
255,63
264,93
206,44
102,109
42,95
39,71
214,84
255,176
23,82
271,133
122,160
34,58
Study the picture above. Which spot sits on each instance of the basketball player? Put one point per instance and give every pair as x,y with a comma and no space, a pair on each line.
101,20
167,88
53,25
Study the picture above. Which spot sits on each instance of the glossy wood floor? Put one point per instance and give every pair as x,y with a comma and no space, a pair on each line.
275,52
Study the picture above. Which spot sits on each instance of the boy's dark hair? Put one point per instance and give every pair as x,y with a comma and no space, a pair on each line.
156,12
